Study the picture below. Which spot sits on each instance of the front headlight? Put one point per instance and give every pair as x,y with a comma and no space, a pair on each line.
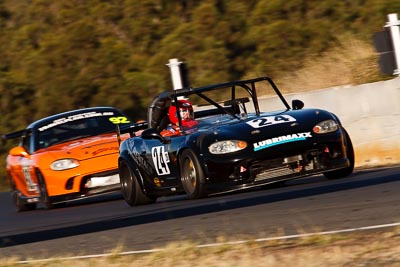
227,146
64,164
327,126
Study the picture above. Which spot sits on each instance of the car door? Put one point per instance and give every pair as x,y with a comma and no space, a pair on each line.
162,156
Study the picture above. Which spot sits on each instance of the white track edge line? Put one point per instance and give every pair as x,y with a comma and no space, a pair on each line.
221,243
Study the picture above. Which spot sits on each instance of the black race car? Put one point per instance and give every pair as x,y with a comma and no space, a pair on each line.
246,135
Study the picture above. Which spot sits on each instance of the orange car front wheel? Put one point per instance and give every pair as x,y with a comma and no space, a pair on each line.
44,196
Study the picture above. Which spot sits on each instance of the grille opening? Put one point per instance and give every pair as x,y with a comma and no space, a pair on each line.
70,184
289,166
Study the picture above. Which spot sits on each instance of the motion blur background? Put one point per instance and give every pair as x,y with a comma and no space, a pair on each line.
68,54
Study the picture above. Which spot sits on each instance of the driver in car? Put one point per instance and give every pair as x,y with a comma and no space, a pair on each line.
186,112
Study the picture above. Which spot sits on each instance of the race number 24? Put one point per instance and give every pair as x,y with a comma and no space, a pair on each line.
270,120
160,160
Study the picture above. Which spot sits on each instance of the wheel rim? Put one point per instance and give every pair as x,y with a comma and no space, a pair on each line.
44,196
190,177
14,193
127,183
15,199
43,192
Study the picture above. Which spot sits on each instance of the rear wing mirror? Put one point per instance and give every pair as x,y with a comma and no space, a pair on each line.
151,133
297,104
18,151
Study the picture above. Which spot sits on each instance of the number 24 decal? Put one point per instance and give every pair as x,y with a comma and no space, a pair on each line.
270,120
160,160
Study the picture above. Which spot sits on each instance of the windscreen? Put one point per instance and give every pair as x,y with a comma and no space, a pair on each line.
78,126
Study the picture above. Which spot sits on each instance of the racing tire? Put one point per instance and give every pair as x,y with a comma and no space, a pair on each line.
341,173
192,175
44,195
19,204
130,187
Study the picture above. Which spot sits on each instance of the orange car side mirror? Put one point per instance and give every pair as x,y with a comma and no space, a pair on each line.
18,151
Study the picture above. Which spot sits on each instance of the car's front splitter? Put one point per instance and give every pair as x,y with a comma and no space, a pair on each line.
270,178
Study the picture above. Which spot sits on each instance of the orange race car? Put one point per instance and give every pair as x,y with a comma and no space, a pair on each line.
65,157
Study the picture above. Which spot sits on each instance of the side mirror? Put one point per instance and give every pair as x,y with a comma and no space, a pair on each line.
297,104
152,133
18,151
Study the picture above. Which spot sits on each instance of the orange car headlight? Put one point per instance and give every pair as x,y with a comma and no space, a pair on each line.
64,164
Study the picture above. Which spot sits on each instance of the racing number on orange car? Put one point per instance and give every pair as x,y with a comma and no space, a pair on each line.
119,120
28,178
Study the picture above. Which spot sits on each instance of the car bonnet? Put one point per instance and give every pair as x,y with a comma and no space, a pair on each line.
272,123
85,148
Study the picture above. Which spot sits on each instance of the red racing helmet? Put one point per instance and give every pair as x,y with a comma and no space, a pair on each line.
185,109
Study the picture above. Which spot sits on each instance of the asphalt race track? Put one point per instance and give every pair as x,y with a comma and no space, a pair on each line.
100,225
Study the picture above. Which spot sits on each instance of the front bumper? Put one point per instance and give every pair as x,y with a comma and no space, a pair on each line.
278,164
86,194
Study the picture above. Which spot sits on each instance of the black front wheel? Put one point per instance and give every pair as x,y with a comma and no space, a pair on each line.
192,175
130,187
341,173
44,195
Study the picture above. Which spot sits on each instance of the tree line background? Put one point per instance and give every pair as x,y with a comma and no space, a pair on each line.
67,54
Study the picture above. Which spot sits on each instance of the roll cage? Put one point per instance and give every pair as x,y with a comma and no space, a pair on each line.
158,109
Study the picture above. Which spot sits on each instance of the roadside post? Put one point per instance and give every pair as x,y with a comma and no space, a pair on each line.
179,74
387,44
174,66
393,24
